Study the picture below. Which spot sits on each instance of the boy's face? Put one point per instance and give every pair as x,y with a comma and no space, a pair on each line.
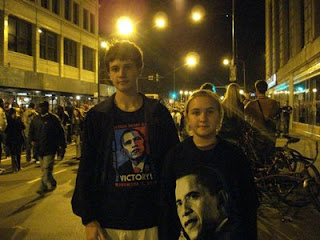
123,74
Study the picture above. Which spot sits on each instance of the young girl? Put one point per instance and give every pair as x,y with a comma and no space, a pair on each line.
204,149
234,125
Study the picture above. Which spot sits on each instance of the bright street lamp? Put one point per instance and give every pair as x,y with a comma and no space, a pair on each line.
197,13
160,20
227,62
104,44
125,26
192,59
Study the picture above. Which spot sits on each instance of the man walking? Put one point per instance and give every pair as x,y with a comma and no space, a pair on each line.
28,115
47,135
262,113
116,204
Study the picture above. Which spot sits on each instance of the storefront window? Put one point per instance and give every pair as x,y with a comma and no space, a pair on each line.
282,95
306,101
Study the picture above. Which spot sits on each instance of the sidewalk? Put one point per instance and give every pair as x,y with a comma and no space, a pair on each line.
306,146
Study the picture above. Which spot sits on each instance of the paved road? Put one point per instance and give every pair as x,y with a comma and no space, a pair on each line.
26,216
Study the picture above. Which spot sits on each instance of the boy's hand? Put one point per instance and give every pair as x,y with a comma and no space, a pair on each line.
94,231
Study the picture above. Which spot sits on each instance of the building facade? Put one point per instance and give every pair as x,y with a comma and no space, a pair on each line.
293,59
49,50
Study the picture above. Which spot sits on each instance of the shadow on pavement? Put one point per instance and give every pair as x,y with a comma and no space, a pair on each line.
26,206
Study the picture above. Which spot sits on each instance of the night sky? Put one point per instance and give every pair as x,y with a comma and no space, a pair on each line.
211,39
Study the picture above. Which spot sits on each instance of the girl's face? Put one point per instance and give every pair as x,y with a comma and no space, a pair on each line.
203,116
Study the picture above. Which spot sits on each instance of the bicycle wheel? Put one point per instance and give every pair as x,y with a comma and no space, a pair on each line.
265,191
291,190
284,159
313,185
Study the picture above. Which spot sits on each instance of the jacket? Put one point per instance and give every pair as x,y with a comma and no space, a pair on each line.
14,132
95,198
48,134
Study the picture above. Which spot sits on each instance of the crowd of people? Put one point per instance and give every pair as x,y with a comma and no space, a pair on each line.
145,173
21,129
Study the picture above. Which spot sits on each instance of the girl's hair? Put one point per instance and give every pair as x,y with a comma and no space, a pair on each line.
214,97
232,103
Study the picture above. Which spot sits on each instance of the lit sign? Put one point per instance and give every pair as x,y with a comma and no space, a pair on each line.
272,81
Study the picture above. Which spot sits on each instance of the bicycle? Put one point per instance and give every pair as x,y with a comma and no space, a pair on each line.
288,176
298,184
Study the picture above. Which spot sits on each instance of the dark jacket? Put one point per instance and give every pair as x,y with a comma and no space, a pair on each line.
47,132
95,197
229,160
14,132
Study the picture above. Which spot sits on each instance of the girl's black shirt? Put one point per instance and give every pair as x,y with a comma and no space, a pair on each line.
230,161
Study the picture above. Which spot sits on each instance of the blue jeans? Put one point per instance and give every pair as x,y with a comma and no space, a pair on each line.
47,180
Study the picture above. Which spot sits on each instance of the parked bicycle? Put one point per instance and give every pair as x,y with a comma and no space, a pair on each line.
287,176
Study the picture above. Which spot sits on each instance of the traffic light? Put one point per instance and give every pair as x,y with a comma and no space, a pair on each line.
157,77
174,95
150,77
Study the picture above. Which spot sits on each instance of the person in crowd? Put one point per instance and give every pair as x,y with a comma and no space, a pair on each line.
18,109
15,139
204,149
262,114
65,122
246,98
3,126
77,123
202,206
113,205
286,112
234,124
63,116
69,110
47,135
28,115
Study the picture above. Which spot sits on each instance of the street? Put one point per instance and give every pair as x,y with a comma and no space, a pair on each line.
26,216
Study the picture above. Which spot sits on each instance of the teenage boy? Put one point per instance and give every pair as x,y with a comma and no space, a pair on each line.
113,204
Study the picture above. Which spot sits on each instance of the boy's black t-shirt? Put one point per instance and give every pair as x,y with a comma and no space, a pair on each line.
132,191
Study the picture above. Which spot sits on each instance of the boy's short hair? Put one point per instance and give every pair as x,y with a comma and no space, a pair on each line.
261,86
124,50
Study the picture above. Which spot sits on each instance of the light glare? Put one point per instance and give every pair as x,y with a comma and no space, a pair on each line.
226,62
125,26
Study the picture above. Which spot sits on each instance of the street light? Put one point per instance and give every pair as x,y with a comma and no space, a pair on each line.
160,20
125,26
197,13
227,62
191,60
